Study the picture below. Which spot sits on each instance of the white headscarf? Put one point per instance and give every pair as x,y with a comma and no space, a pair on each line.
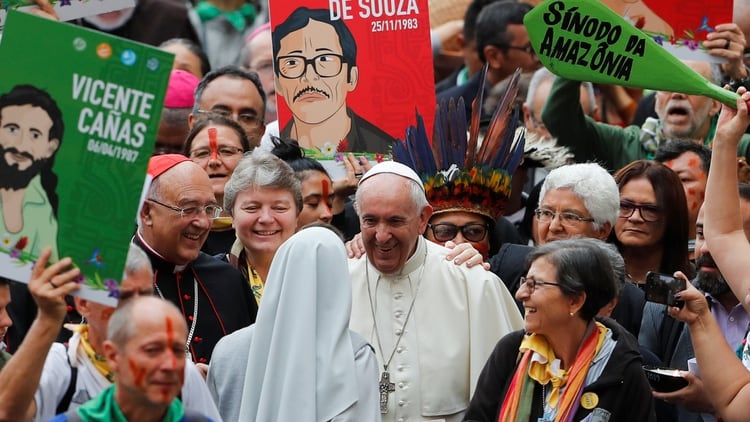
301,361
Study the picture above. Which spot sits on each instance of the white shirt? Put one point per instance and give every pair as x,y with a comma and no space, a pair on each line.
56,379
459,315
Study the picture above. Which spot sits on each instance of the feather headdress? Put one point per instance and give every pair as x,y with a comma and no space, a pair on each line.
458,172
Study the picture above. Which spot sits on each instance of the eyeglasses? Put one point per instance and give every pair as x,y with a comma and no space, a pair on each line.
565,218
246,120
473,232
225,153
649,212
528,49
211,210
326,65
128,294
531,283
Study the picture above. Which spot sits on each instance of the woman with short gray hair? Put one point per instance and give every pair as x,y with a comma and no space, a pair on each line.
264,198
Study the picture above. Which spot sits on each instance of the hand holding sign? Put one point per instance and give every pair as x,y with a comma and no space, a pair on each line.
585,40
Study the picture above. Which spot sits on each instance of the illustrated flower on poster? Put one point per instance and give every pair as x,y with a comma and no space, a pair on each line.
113,287
691,38
17,251
328,150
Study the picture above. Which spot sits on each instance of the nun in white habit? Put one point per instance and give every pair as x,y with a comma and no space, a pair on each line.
299,361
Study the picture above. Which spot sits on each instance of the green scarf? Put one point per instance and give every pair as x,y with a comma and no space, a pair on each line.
104,408
239,18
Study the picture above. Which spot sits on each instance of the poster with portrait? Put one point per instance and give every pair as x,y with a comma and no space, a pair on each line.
66,9
680,26
78,119
351,74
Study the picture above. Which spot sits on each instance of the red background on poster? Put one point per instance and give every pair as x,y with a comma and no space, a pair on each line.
395,67
687,15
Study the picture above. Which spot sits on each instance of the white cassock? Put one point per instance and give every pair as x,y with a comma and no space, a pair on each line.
458,316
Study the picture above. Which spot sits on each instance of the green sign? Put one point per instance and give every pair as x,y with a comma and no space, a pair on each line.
585,40
89,103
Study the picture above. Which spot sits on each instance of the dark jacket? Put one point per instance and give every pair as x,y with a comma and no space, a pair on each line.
363,136
155,21
622,389
225,303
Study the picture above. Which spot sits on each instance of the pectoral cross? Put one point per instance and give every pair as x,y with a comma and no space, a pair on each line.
386,387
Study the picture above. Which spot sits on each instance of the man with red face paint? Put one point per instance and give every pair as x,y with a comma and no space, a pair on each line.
691,162
145,350
46,378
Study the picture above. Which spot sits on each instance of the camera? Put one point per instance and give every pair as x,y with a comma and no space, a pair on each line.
661,288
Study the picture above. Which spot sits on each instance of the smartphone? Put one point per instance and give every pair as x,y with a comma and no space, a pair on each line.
661,288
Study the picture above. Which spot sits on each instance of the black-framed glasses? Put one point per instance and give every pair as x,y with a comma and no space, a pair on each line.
473,232
326,65
224,153
244,119
531,283
649,212
566,218
529,49
211,210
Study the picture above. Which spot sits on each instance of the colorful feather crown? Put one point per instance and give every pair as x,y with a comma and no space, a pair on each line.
458,173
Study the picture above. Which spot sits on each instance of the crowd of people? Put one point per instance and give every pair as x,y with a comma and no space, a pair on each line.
495,271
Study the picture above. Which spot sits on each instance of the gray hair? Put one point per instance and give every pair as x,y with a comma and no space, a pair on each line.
416,191
137,260
543,75
261,169
590,182
121,326
583,266
717,76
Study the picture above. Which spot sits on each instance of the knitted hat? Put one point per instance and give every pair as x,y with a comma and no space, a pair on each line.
180,89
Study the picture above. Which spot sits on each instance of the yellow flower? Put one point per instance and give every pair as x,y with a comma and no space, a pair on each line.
6,240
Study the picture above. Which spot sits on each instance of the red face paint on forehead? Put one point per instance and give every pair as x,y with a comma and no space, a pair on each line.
693,162
212,143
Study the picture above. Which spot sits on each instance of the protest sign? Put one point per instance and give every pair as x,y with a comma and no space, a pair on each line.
585,40
350,73
78,119
679,26
66,9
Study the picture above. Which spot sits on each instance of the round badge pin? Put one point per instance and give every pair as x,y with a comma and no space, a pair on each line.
589,400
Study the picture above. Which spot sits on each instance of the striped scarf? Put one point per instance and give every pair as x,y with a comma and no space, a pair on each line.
537,364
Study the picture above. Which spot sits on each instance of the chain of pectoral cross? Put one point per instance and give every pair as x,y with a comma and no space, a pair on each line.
385,385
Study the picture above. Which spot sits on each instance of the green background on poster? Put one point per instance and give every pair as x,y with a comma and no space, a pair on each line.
111,92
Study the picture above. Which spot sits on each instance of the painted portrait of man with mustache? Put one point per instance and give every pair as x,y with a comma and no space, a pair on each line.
31,129
315,67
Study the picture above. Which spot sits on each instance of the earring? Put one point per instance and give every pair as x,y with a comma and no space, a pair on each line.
571,314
